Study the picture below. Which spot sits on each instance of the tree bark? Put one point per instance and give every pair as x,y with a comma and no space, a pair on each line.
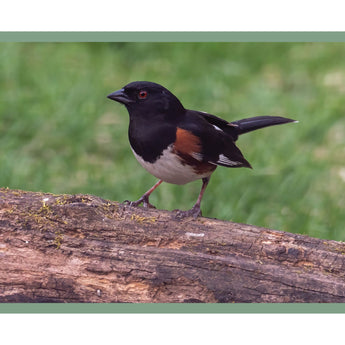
81,248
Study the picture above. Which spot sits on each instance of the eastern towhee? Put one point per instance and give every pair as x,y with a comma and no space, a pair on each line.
178,145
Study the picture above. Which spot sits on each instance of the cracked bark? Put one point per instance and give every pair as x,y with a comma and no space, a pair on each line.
80,248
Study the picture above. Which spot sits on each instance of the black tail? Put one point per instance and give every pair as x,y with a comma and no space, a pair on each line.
253,123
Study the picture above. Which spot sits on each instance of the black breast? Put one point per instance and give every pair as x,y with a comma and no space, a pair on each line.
149,140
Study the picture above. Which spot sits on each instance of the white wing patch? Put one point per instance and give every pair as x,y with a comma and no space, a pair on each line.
226,161
217,128
198,156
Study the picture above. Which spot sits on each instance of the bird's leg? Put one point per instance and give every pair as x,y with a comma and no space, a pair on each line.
195,211
145,197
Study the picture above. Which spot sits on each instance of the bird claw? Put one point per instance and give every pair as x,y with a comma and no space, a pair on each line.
146,204
143,200
194,212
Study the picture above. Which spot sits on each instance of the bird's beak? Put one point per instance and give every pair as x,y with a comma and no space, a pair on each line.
120,96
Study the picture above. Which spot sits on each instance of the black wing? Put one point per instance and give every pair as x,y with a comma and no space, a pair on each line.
236,128
216,139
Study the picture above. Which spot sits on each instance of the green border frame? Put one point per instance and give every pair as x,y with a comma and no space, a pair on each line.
171,36
172,308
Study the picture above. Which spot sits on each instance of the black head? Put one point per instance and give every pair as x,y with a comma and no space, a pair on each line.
144,98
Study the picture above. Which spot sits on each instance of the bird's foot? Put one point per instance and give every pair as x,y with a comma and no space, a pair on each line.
194,212
143,200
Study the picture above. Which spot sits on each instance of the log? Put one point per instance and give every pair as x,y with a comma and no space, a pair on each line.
81,248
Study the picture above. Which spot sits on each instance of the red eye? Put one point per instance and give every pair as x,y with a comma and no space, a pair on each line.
142,94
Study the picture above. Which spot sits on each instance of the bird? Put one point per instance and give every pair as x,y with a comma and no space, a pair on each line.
178,145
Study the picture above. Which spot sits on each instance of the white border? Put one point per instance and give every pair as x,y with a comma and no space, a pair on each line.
177,15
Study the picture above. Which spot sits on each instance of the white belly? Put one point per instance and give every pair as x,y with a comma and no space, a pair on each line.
168,167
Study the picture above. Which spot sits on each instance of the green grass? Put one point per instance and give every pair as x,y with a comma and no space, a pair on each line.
59,133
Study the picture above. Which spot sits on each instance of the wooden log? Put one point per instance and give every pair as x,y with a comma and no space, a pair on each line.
81,248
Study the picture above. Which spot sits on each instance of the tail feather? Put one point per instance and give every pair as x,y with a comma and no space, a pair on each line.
253,123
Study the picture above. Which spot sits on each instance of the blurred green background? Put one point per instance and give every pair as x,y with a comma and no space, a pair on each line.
60,134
